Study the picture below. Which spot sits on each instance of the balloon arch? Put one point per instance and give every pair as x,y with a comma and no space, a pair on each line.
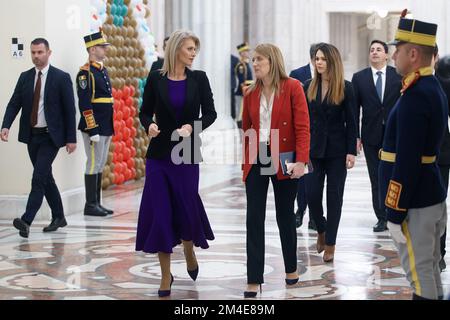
132,51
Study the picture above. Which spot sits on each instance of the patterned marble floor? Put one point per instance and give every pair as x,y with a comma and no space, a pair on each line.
94,258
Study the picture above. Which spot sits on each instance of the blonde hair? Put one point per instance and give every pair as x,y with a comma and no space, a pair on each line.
174,44
277,69
335,72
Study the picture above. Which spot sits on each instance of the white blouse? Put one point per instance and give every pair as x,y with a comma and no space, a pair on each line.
265,117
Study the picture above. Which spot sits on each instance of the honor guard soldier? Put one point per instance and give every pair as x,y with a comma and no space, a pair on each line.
96,123
410,184
243,76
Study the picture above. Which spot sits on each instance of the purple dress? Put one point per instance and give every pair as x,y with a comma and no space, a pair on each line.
171,209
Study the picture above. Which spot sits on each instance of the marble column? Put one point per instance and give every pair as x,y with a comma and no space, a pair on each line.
156,21
293,26
211,22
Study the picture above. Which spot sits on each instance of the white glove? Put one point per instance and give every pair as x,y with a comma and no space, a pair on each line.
95,138
396,232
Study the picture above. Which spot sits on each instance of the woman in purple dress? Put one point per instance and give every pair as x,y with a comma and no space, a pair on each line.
171,210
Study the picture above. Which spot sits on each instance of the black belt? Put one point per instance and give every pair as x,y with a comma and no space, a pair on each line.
39,130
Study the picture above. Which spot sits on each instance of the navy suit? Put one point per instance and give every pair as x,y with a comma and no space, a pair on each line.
374,116
59,109
234,61
302,74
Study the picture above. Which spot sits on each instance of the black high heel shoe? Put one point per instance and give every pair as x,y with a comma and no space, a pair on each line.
166,293
252,294
290,282
194,273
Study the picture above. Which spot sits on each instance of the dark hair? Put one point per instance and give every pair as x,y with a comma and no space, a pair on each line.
313,49
39,41
385,46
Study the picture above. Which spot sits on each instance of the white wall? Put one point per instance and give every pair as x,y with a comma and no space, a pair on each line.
63,23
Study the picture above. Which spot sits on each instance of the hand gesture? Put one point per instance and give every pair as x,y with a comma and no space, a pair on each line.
153,130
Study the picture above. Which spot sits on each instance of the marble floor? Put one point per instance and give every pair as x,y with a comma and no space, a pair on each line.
94,258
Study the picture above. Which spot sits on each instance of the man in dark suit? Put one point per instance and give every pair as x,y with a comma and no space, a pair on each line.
157,65
242,73
234,61
303,74
47,123
306,72
377,89
442,67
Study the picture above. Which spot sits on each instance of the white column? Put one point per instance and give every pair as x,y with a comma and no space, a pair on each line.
63,24
434,11
210,20
293,26
157,22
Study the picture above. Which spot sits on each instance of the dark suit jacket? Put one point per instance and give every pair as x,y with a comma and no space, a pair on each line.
373,111
156,102
157,65
444,154
59,106
333,127
234,61
302,74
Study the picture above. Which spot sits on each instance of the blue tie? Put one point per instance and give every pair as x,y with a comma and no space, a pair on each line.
379,85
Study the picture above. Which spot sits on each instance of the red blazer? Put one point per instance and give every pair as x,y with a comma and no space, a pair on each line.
289,115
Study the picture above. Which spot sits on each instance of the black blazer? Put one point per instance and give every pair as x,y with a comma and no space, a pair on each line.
444,154
157,65
59,106
302,74
333,127
156,103
373,111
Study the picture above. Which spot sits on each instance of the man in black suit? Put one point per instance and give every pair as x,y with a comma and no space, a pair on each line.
157,65
47,123
442,67
306,72
377,89
303,74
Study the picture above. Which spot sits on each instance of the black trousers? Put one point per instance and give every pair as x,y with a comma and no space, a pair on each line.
371,154
444,173
336,172
302,202
256,187
42,153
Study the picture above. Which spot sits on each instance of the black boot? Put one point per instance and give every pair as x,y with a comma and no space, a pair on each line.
99,194
416,297
91,207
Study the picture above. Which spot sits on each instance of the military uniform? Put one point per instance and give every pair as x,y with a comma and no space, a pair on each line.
243,75
410,184
95,102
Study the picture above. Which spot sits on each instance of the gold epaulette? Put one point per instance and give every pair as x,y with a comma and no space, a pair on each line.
85,67
412,77
96,65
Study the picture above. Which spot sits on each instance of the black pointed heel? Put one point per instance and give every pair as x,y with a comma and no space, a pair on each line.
253,294
291,282
193,273
166,293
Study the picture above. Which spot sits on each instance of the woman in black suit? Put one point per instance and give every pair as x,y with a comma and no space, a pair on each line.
333,142
171,210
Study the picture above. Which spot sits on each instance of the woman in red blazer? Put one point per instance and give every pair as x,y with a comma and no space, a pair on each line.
275,120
